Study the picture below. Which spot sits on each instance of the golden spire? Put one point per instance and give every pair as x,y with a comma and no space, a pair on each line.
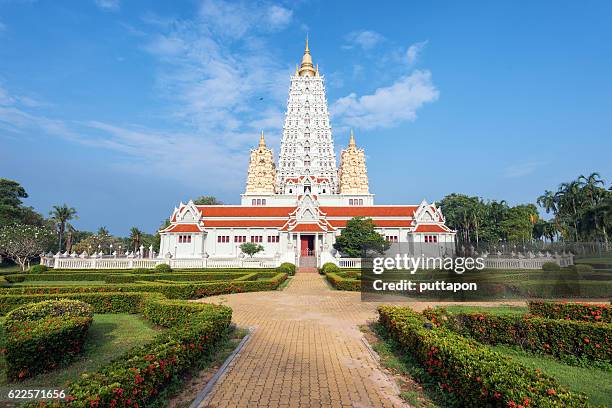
307,69
262,142
352,139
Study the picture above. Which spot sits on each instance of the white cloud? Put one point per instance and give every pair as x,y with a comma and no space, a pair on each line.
412,54
108,5
279,16
238,19
365,39
222,85
521,169
387,106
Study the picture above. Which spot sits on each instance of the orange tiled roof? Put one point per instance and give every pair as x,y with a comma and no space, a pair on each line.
244,223
243,211
371,211
431,228
307,228
183,228
378,223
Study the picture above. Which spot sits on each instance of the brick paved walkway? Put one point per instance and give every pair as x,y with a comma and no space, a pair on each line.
306,351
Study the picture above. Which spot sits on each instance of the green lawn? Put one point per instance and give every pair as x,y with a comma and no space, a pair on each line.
595,383
110,335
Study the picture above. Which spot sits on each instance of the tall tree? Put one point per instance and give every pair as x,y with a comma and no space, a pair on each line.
21,243
60,215
135,238
207,200
359,236
12,209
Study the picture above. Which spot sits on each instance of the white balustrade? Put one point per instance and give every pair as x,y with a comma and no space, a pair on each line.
61,262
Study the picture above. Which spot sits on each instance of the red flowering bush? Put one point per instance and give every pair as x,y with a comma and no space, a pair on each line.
597,313
473,373
568,340
136,378
43,336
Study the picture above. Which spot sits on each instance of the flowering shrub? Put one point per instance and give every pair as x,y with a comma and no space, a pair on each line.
566,340
572,311
136,378
474,374
45,335
341,282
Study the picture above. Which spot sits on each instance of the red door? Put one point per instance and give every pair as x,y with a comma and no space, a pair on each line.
306,245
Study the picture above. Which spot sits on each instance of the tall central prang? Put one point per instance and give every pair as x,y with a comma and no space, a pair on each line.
307,147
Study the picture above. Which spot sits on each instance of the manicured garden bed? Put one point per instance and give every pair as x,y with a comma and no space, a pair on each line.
109,336
471,372
138,376
572,341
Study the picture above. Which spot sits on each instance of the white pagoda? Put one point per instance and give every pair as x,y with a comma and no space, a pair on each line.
296,208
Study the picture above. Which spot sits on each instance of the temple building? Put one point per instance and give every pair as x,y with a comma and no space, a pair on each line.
296,207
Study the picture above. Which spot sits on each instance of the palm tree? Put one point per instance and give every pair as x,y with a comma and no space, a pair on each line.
135,237
548,201
61,214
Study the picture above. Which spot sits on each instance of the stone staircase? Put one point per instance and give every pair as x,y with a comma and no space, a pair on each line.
308,264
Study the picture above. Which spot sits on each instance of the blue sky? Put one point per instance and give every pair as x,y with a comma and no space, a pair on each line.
124,108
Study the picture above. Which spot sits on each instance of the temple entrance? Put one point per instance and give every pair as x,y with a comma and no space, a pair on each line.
308,258
307,245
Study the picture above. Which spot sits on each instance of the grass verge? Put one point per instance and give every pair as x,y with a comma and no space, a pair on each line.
594,382
109,336
416,387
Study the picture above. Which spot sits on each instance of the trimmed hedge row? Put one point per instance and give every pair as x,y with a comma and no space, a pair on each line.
136,378
572,311
43,336
474,374
567,340
341,283
152,271
192,290
179,277
60,277
106,302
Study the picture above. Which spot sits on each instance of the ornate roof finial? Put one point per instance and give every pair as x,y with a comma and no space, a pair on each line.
307,68
262,142
352,139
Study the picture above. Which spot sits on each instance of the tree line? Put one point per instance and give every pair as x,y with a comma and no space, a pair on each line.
581,211
25,233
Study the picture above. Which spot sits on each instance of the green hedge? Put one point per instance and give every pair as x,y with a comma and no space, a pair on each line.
475,375
341,283
192,290
136,378
43,336
183,270
329,267
568,340
572,311
106,302
287,267
179,277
